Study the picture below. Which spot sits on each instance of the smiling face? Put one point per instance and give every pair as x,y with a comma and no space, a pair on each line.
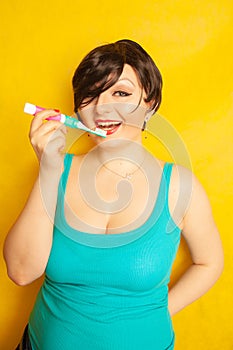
120,110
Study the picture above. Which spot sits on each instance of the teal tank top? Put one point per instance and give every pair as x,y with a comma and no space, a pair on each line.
107,292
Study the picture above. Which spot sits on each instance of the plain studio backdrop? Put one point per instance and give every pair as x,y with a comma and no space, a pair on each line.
43,41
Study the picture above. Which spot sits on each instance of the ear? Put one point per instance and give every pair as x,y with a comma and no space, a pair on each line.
149,111
149,114
147,117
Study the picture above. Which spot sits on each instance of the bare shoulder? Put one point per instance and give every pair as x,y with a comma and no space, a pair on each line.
191,204
180,192
188,200
198,225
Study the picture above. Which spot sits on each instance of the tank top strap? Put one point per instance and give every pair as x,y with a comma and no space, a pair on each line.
167,178
171,226
67,164
162,199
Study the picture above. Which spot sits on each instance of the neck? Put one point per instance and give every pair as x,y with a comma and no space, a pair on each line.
121,154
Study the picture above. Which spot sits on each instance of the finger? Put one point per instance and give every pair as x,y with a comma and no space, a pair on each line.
54,133
45,129
49,143
48,127
55,143
49,130
39,118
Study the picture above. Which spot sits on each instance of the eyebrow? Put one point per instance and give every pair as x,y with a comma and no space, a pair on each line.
126,79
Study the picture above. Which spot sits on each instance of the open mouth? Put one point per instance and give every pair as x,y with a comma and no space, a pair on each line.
110,126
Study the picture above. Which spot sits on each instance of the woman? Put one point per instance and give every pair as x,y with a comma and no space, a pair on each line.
105,226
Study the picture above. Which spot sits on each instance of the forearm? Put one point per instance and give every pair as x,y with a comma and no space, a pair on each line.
28,244
195,282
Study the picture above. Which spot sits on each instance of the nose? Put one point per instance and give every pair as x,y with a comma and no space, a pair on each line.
103,104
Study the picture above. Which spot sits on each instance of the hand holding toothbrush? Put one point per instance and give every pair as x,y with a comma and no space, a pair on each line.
48,139
64,119
41,133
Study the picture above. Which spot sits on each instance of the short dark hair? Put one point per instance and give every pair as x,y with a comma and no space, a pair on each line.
102,67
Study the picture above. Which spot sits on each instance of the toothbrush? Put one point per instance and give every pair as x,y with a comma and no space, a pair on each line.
64,119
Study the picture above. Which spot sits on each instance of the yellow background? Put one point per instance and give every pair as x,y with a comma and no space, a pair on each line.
191,41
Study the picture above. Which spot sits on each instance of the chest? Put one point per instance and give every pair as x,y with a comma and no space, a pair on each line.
109,204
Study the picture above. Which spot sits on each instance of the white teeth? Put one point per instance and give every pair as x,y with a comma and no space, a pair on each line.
103,124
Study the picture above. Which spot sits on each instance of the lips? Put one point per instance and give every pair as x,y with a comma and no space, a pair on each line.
110,126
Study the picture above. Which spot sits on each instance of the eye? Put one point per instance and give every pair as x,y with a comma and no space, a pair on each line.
121,93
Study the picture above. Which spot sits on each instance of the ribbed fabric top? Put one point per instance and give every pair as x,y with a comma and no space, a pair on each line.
108,292
113,240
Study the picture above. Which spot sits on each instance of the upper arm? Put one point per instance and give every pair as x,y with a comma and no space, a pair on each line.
199,229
